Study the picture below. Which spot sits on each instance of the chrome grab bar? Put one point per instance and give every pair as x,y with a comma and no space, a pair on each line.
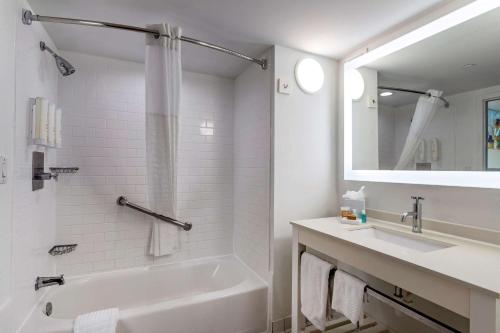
122,201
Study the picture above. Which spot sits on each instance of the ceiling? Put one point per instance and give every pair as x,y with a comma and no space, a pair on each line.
443,61
330,28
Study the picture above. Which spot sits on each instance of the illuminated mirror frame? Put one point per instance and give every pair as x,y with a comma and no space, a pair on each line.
480,179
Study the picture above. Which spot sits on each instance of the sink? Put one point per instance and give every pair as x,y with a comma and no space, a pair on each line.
402,239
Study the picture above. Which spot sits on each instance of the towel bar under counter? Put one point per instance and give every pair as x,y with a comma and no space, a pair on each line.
122,201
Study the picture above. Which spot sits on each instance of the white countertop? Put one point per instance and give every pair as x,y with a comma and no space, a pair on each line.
474,263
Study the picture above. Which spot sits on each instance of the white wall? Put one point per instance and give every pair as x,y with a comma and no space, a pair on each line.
365,120
104,118
304,163
252,163
8,12
468,206
33,213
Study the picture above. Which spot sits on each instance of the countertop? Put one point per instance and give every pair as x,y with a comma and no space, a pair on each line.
472,262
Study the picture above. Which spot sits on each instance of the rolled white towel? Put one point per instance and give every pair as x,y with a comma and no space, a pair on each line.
103,321
52,125
58,128
41,121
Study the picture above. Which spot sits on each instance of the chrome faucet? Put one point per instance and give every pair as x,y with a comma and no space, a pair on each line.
48,281
416,215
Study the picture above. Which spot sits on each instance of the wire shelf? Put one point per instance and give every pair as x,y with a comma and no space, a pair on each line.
58,250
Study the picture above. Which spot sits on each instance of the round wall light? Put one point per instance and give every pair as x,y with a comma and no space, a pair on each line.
355,84
309,75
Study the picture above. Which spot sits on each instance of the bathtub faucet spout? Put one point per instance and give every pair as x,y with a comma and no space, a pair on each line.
48,281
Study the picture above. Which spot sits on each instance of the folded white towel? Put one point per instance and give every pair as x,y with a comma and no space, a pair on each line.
103,321
347,297
314,274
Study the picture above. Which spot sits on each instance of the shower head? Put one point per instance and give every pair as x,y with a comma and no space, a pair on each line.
62,64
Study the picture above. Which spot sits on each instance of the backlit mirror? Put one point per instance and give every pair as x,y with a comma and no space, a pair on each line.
431,105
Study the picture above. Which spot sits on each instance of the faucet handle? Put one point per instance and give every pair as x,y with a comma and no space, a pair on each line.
417,198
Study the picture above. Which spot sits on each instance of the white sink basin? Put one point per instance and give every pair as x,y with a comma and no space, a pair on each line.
402,239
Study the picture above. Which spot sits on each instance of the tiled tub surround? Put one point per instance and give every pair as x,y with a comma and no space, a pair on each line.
103,134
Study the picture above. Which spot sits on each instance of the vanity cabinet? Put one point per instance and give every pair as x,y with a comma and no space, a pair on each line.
463,278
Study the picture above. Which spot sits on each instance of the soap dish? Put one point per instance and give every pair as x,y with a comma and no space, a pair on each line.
58,250
344,220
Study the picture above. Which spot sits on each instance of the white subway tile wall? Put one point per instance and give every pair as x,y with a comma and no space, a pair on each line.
252,156
104,130
33,213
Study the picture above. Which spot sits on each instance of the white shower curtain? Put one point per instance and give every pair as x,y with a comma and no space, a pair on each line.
163,84
424,112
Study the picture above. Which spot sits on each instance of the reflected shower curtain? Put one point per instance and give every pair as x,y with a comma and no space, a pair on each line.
424,112
163,84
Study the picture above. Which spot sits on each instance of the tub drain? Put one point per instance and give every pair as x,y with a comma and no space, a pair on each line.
48,309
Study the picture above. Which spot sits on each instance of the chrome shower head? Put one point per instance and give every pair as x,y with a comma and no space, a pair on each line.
62,64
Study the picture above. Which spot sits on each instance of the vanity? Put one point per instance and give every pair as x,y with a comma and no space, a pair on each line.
456,273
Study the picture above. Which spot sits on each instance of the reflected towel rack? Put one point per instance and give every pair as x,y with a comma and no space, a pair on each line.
122,201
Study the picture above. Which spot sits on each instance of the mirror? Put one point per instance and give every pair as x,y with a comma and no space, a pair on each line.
431,102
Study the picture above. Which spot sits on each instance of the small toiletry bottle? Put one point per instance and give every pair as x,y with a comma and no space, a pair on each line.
355,214
363,216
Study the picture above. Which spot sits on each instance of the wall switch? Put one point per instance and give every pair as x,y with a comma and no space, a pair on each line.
284,87
3,170
371,102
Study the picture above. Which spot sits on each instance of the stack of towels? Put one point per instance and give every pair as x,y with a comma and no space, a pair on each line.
317,287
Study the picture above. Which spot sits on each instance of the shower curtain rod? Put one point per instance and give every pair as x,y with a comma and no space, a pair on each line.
446,103
28,17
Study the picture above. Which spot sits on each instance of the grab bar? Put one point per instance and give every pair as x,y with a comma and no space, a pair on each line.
122,201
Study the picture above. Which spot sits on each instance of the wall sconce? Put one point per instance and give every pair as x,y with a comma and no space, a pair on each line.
309,75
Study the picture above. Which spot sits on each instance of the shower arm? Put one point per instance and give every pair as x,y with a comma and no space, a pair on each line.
28,17
445,101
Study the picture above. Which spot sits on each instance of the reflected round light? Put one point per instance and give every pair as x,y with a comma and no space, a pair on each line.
309,75
386,93
355,84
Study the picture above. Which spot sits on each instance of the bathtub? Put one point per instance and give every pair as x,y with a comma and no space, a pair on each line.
216,295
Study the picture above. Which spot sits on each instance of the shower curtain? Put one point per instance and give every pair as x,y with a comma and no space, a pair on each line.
163,85
424,112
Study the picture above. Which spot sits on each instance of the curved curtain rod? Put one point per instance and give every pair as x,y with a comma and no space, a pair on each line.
28,17
446,103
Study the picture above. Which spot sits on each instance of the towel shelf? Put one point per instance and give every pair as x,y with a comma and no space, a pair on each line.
122,201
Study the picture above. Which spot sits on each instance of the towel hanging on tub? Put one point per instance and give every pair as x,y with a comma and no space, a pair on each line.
103,321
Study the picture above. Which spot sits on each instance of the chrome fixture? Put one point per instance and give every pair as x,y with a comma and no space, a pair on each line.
42,282
416,215
48,309
63,65
38,171
58,250
122,201
412,91
28,17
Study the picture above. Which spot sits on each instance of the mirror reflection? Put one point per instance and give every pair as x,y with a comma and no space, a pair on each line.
434,105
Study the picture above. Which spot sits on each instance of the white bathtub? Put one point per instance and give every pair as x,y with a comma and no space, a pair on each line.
216,295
